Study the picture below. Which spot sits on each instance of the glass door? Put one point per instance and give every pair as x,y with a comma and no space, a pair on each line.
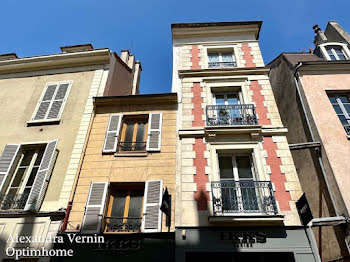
227,110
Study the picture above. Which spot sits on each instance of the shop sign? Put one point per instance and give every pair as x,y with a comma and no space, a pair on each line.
243,239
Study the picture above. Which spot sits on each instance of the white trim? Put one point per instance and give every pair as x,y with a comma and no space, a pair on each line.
150,130
325,54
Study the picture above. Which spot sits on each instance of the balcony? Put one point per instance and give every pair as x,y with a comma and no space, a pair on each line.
132,146
228,115
13,201
123,224
243,197
222,64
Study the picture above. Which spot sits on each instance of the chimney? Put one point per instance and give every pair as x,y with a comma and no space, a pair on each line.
124,55
136,78
76,48
320,36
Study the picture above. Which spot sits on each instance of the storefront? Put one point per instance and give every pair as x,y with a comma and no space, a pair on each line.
258,244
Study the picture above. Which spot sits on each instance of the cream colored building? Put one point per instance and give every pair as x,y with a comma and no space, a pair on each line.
237,185
46,112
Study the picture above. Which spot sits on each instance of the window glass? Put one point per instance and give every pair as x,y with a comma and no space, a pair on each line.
232,99
135,205
140,136
226,167
244,167
213,57
118,206
227,57
129,132
220,99
341,105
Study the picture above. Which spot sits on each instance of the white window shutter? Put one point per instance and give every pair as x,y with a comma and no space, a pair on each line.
112,133
94,208
58,101
7,158
45,102
152,215
154,139
41,177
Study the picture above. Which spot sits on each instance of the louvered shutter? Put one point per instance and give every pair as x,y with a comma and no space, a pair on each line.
152,215
154,132
58,101
112,133
6,161
45,102
94,208
41,178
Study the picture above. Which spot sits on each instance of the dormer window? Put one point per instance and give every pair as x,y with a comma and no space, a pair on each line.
335,51
221,57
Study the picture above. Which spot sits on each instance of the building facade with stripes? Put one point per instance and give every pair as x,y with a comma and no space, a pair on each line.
238,185
46,111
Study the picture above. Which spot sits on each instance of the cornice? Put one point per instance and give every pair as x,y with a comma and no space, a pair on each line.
224,72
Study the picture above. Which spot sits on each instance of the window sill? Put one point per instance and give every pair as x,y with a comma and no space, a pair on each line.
43,122
131,154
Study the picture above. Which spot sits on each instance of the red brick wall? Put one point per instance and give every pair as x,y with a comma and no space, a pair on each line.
195,57
247,55
278,178
259,99
197,110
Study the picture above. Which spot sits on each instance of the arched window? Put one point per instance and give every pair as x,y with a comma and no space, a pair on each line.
335,51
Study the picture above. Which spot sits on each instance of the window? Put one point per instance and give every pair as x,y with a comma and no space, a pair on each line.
335,51
134,133
51,102
221,59
24,174
130,207
125,208
341,105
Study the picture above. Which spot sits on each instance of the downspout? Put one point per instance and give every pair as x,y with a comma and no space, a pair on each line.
323,171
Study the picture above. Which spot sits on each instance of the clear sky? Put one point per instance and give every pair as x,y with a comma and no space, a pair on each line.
38,27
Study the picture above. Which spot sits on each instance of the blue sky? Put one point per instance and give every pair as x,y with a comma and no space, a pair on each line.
38,27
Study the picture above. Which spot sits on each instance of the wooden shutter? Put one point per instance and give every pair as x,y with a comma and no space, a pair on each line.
41,177
112,133
94,208
6,161
58,101
45,102
152,215
154,132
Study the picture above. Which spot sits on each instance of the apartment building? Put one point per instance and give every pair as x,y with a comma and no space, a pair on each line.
46,111
125,188
237,183
313,96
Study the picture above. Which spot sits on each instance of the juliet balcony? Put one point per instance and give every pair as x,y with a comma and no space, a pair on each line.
231,115
123,224
245,197
13,201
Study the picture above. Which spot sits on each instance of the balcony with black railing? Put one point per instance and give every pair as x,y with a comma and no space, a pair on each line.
132,146
13,201
123,224
243,197
228,115
222,64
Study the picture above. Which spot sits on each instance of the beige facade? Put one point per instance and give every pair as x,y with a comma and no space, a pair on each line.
74,77
123,168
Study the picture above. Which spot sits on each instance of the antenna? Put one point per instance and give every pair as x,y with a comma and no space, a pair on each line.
131,45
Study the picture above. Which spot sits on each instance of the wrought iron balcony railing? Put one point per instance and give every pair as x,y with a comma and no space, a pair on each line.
13,201
132,146
221,64
123,224
240,197
222,115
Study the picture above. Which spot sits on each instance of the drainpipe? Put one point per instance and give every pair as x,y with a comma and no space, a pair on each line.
323,171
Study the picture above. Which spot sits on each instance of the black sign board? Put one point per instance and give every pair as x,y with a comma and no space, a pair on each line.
304,210
166,206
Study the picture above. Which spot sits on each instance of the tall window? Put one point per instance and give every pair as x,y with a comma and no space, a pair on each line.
134,134
341,105
336,52
221,59
22,181
237,175
125,208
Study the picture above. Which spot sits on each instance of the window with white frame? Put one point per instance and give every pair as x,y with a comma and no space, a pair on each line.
221,59
52,101
25,170
335,51
341,105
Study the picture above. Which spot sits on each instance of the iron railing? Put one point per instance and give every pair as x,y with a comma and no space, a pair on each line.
13,201
232,197
221,64
123,224
132,146
221,115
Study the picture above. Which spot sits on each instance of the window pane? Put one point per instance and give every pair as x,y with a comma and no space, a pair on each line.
220,99
40,156
129,132
244,167
227,57
213,57
340,54
337,109
18,178
226,168
118,204
344,99
333,99
140,136
347,108
28,155
135,203
232,99
343,119
32,176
